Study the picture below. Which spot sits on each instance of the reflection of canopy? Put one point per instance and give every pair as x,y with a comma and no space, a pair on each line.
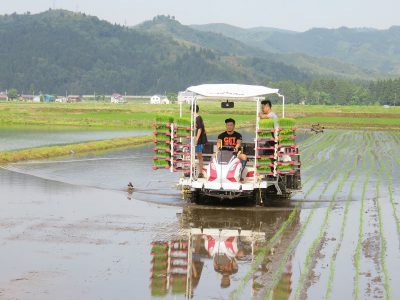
231,90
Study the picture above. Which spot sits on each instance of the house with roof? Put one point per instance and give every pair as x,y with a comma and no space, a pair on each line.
117,98
3,95
49,98
185,97
24,97
74,98
159,99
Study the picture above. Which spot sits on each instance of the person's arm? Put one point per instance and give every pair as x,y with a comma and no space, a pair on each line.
238,144
219,144
198,135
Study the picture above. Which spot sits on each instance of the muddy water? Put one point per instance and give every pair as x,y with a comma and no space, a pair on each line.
70,230
22,138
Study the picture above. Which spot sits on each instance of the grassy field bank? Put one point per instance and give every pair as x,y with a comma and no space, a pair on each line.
57,151
141,115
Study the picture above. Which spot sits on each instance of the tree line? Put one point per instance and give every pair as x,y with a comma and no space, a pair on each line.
340,91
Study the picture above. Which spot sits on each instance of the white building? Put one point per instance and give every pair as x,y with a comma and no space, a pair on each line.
117,98
61,99
158,99
185,97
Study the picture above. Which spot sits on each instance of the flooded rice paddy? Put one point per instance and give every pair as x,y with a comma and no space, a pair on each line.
22,138
69,229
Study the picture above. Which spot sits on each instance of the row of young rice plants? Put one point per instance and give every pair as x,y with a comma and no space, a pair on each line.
320,151
361,222
315,163
394,154
343,224
383,243
314,141
310,154
396,149
276,276
311,253
331,175
340,142
263,252
340,239
273,241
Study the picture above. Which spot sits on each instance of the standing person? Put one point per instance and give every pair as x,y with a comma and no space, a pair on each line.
201,139
267,113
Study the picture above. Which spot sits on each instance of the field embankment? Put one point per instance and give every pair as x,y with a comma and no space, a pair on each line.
57,151
141,115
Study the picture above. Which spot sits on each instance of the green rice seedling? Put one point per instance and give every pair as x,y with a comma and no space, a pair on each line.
164,119
159,248
285,167
263,169
159,287
161,163
162,127
287,123
266,124
183,132
178,284
266,134
287,141
284,132
162,145
265,160
182,122
162,153
162,137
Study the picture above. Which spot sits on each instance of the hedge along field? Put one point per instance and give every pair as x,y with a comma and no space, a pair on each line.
347,246
141,115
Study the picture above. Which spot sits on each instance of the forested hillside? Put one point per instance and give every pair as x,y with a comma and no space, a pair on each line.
368,48
58,51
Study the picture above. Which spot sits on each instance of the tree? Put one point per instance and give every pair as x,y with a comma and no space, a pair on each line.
12,94
173,97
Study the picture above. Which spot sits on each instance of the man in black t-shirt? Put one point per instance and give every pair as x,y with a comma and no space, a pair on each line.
232,139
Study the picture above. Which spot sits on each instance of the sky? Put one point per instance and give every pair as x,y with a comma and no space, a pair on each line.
297,15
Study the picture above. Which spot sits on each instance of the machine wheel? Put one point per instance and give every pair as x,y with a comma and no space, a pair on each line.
192,197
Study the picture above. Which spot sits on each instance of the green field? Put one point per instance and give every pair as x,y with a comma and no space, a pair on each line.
141,115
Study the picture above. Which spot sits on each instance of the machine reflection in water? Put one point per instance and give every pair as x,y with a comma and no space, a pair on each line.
224,239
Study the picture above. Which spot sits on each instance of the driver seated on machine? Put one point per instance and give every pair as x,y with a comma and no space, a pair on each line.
232,140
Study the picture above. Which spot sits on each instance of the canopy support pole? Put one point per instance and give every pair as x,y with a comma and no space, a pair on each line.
283,104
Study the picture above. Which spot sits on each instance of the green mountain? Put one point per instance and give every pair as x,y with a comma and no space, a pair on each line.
225,40
60,51
376,50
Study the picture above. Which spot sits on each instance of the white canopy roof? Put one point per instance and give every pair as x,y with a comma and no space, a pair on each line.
231,90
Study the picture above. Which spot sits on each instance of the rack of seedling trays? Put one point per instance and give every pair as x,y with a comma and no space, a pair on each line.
267,148
159,268
178,265
163,139
287,147
181,151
